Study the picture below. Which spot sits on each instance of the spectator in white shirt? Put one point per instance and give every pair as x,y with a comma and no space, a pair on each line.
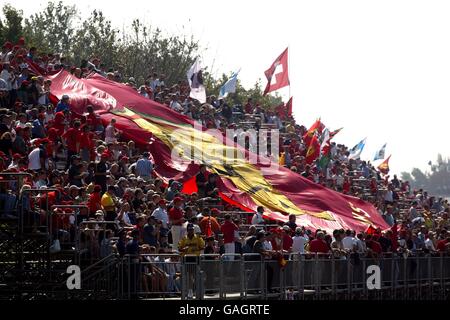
349,242
299,241
258,216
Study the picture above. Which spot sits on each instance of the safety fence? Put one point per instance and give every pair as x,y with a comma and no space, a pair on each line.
298,276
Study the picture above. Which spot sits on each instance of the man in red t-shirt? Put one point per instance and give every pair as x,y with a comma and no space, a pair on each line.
319,245
443,244
228,229
72,139
176,219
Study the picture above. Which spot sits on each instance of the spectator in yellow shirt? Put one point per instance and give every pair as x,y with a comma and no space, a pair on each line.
191,244
108,203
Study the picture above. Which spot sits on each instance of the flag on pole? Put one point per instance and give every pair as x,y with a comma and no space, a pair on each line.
384,166
195,79
335,132
380,153
277,75
355,152
284,110
313,151
317,127
229,86
325,149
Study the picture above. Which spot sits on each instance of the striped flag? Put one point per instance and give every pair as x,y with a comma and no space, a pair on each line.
355,152
229,86
380,153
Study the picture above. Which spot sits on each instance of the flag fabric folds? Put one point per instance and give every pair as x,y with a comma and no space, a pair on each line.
313,150
195,78
380,153
246,185
229,86
316,128
356,151
384,166
277,75
284,110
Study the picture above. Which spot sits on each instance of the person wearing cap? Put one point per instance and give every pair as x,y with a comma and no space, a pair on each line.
299,241
63,104
37,158
191,244
176,218
319,245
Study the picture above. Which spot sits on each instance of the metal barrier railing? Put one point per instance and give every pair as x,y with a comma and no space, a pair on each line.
313,276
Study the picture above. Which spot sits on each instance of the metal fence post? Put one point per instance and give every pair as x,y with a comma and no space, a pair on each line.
430,277
242,277
221,284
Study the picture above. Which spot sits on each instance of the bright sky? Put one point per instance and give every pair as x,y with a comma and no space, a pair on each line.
380,69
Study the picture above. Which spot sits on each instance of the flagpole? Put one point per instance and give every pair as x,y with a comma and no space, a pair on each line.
289,68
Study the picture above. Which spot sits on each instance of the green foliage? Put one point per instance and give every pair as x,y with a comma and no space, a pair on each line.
136,51
11,26
52,29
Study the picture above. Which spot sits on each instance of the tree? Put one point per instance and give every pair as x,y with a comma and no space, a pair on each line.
96,38
11,29
52,29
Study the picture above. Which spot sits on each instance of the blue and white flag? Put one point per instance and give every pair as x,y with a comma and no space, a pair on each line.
355,152
229,86
380,153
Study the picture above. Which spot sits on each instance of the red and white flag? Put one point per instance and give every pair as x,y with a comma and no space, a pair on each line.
277,75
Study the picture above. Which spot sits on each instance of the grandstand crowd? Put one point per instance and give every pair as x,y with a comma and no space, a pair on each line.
85,162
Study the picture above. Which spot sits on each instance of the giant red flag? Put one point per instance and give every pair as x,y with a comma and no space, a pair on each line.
242,184
277,75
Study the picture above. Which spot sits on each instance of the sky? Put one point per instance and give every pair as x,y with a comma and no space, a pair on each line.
380,69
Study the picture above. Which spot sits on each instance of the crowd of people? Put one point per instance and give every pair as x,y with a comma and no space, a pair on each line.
82,161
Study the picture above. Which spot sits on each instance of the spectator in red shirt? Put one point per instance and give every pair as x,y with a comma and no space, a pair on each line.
176,219
442,245
228,228
72,139
93,119
287,239
86,145
94,202
319,245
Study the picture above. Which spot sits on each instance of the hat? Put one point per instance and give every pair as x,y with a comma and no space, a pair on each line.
178,199
73,187
99,213
286,228
105,155
75,157
162,201
17,156
298,230
65,96
123,179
